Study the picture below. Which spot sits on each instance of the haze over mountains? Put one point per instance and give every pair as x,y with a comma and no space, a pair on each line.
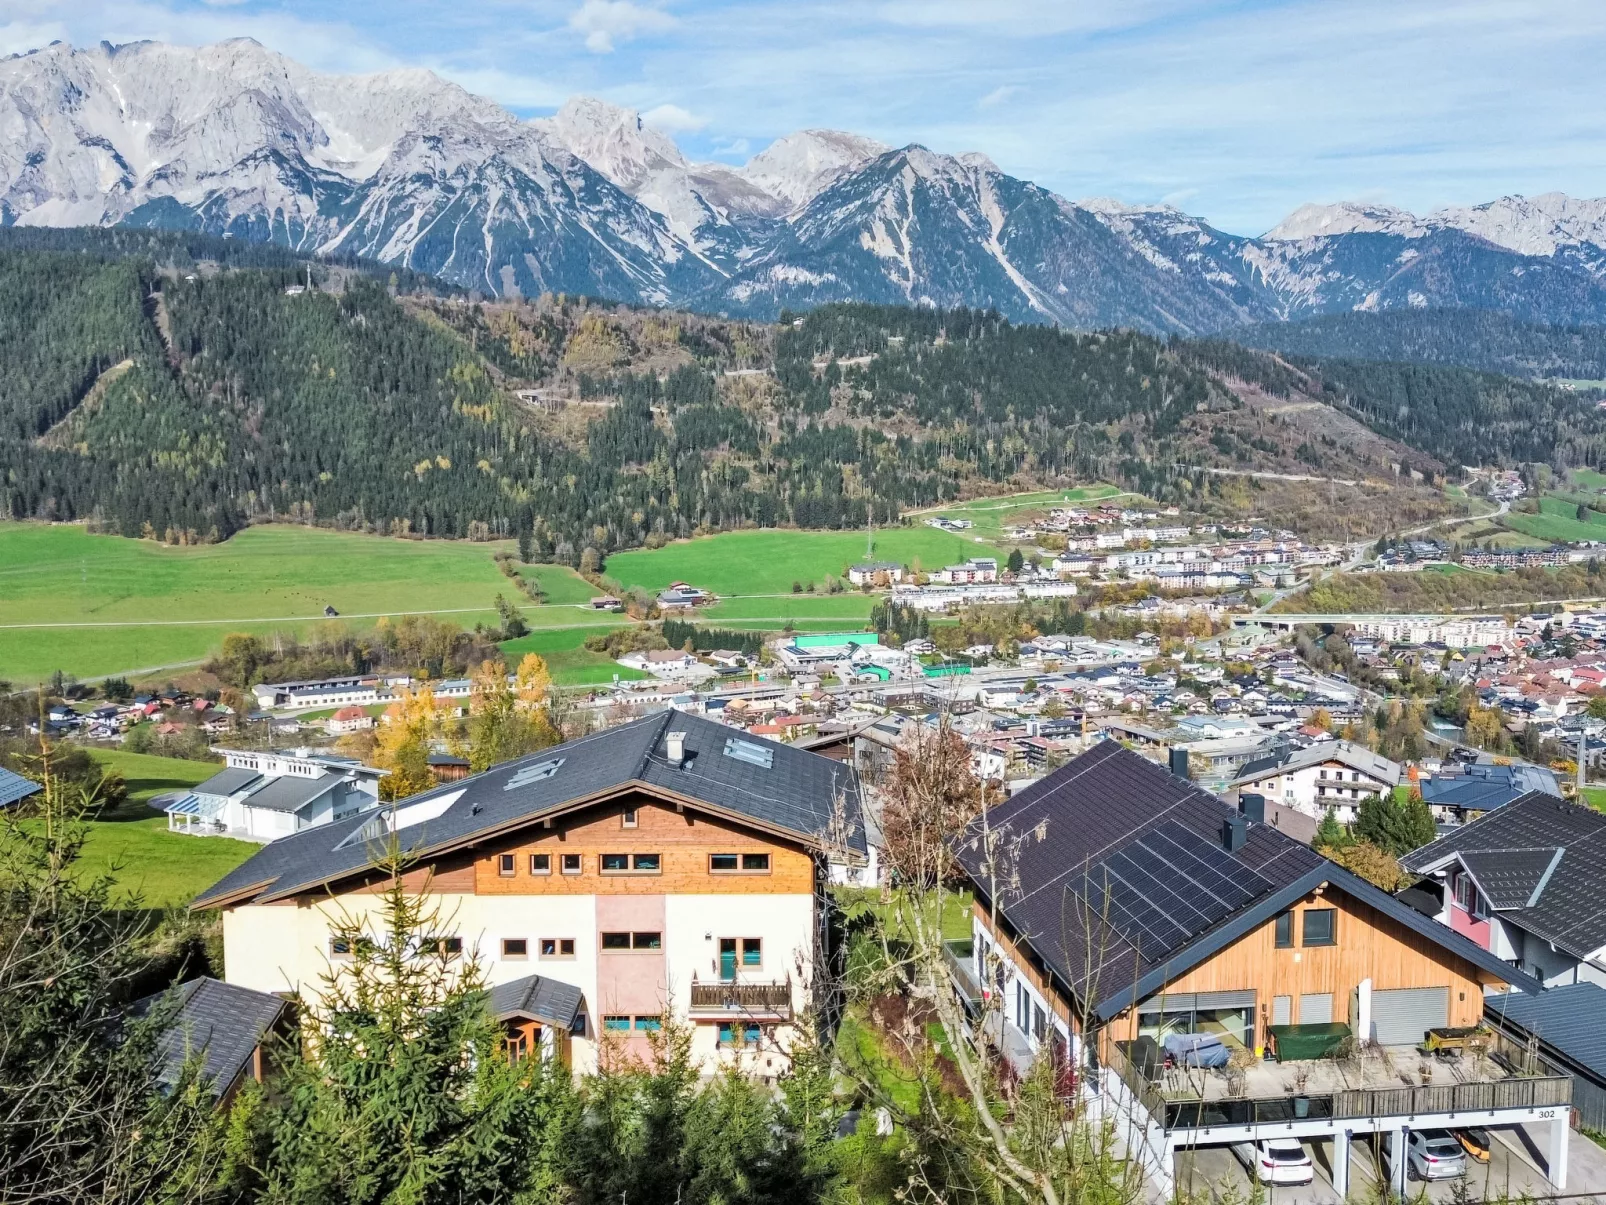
408,168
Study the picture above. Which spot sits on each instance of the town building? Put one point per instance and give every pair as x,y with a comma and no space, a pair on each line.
668,866
976,571
262,796
1524,882
1464,792
875,573
14,788
1326,775
1140,917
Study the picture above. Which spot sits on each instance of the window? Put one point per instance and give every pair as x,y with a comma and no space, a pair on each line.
340,948
752,952
1319,927
628,820
632,941
616,1024
504,865
1285,930
540,863
649,1024
614,862
557,947
719,862
755,861
441,947
625,863
750,752
733,1034
1464,890
515,947
525,775
571,863
1322,774
1039,1022
644,862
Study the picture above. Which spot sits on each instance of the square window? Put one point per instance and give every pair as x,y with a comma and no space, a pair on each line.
616,1023
752,952
718,862
446,947
1285,930
340,947
504,865
616,941
628,820
750,1034
540,863
647,941
566,947
549,947
571,863
515,947
755,861
615,862
1320,928
645,862
649,1024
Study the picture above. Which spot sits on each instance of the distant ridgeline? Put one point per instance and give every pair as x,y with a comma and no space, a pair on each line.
179,387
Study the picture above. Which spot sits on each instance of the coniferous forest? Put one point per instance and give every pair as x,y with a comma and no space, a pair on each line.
171,388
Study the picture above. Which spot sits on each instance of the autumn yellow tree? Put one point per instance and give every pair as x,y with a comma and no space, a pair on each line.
402,743
508,720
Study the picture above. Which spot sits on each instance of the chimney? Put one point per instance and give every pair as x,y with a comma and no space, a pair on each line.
675,747
1234,832
1179,762
1253,808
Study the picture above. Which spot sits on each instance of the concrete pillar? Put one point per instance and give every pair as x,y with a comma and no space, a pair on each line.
1556,1167
1363,1010
1341,1141
1398,1161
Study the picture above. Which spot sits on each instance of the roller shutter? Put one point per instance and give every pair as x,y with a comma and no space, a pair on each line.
1401,1017
1316,1009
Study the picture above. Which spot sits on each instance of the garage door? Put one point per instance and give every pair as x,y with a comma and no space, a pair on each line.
1402,1016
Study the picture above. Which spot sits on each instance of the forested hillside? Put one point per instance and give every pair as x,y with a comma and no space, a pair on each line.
156,390
1482,339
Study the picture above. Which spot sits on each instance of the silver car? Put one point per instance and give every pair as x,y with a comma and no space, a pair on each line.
1435,1155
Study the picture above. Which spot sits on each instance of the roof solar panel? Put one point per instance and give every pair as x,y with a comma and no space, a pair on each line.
1168,886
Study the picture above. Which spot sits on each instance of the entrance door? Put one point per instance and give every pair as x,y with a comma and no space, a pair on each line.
727,959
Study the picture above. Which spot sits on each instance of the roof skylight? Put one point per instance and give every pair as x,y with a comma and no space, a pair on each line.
752,754
528,774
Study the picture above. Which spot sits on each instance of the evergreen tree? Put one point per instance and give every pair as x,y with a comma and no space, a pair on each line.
1330,833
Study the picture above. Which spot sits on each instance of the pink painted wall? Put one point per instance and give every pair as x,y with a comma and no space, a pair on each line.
1464,923
630,982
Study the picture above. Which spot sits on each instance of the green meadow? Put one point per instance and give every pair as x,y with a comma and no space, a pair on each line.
93,605
768,561
1558,521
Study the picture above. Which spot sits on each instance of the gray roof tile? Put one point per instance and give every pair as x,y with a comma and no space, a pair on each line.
227,782
538,998
221,1022
1566,1019
798,794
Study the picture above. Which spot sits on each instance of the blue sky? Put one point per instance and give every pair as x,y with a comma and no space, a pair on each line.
1236,110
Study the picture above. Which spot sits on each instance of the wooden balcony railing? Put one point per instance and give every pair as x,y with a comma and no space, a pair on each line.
772,999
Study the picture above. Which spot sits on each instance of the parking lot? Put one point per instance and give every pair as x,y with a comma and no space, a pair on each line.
1513,1171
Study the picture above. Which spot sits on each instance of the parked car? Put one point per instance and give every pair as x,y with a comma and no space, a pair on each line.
1435,1155
1475,1142
1276,1160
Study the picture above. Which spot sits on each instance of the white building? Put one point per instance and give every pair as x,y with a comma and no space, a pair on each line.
1329,774
265,796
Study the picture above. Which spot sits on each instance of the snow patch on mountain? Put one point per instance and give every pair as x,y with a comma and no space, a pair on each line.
1347,217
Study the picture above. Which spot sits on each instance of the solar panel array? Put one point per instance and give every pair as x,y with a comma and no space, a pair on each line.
1169,886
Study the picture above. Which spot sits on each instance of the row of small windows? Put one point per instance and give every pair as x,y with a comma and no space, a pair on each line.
550,947
623,1024
507,864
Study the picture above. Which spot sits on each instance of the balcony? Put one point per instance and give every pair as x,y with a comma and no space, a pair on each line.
961,959
1377,1082
743,999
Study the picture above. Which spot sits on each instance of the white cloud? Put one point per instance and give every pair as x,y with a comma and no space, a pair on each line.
998,96
606,23
672,119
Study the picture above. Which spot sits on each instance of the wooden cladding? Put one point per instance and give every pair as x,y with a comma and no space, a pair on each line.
1365,944
686,847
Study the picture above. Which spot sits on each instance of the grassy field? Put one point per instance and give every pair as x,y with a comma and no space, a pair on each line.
1589,479
151,867
797,607
138,605
769,561
1557,521
567,658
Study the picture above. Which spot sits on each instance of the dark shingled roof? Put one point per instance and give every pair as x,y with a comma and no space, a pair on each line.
1481,788
14,787
538,999
222,1022
291,792
1567,908
227,782
1084,835
795,795
1566,1020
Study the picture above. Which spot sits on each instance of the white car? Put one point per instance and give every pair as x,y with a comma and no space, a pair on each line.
1435,1155
1276,1160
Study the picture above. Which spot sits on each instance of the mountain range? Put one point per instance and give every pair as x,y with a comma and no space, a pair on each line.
407,168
